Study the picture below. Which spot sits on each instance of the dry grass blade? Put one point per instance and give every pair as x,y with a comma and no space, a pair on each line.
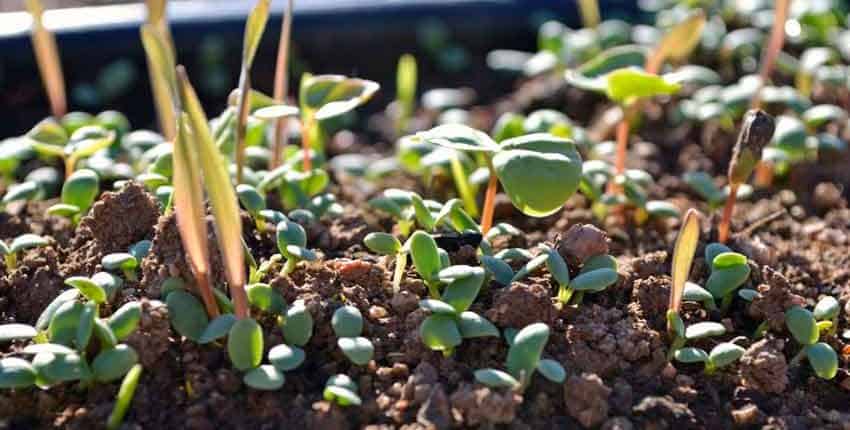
589,13
221,194
254,27
47,57
189,208
281,82
163,82
683,256
678,43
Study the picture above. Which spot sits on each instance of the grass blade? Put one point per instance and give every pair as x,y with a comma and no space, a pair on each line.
254,27
683,256
189,209
678,43
47,57
222,196
281,83
159,50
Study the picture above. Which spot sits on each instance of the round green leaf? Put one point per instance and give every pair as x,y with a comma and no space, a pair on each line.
726,260
298,327
712,250
723,281
382,243
426,258
358,349
472,325
437,307
552,370
595,280
187,314
461,292
113,364
495,378
81,189
459,137
725,354
85,327
124,321
245,344
53,348
802,325
501,271
440,332
286,357
347,321
690,355
63,325
827,308
56,368
104,334
265,377
704,329
275,112
524,354
823,359
250,198
265,298
27,241
290,233
217,328
341,396
16,373
696,293
88,288
17,331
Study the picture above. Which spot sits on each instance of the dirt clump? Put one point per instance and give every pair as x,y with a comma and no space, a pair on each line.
581,242
586,398
774,298
764,368
522,304
476,405
32,285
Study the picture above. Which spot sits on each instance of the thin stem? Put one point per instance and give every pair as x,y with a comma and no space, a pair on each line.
764,174
69,166
47,57
289,266
241,121
207,296
306,131
398,274
463,187
677,344
240,301
774,46
489,200
725,221
622,150
433,290
281,82
797,358
761,330
11,261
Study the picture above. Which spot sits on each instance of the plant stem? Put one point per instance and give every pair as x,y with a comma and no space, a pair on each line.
622,150
797,358
589,13
306,132
11,260
564,294
69,166
678,343
289,266
47,57
774,46
463,187
281,81
489,200
400,264
241,121
433,291
725,221
726,302
207,297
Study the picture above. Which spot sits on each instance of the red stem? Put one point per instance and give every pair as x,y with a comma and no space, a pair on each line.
723,228
489,202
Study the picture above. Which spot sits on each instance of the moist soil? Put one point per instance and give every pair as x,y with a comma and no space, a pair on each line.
795,232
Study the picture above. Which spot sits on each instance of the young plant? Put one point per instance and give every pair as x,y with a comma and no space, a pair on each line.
405,92
683,257
281,83
634,183
722,355
805,329
222,197
729,270
347,324
597,273
292,244
756,132
323,97
254,28
51,139
47,57
387,244
704,185
78,194
407,208
450,321
826,313
342,390
524,359
253,202
10,252
539,171
124,397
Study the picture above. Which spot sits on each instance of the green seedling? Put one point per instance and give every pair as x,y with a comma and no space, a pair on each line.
10,252
450,321
124,397
50,139
121,261
756,132
253,202
24,191
528,167
342,390
47,57
683,256
406,77
596,174
806,331
826,313
524,358
324,97
408,209
347,324
426,260
704,185
729,271
387,244
722,355
597,273
78,194
292,244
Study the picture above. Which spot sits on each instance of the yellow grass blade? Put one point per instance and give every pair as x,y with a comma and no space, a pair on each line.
188,201
163,82
221,194
683,256
254,27
47,57
678,43
281,82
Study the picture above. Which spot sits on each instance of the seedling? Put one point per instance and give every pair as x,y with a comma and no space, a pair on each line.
323,97
347,324
597,273
78,194
10,252
806,331
450,321
292,244
407,208
524,358
722,355
387,244
704,185
683,257
406,78
342,390
729,270
253,202
528,167
254,28
124,397
121,261
634,182
47,57
826,313
281,83
51,139
24,191
756,132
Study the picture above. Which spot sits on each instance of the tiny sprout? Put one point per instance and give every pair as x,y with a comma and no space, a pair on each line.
426,260
29,190
729,270
124,397
406,77
598,273
347,324
722,355
292,244
125,262
78,194
387,244
11,251
756,132
683,256
253,202
805,330
450,321
48,139
826,312
524,358
342,390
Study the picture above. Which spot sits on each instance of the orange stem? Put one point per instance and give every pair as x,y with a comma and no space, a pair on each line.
281,79
207,296
774,46
723,228
622,150
306,127
489,202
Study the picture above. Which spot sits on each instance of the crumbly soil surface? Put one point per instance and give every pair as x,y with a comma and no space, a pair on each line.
613,346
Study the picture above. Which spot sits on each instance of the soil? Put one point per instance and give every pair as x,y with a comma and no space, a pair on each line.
613,346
